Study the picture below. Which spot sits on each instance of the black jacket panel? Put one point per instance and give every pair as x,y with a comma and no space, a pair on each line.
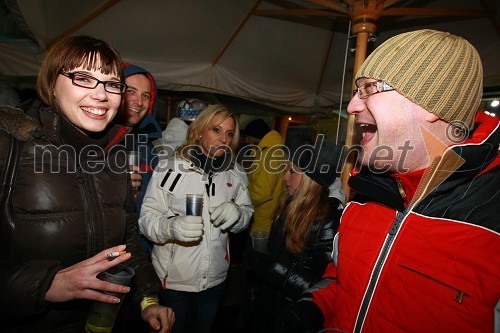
70,200
281,277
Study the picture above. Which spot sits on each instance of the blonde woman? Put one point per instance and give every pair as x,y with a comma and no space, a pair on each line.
191,253
301,237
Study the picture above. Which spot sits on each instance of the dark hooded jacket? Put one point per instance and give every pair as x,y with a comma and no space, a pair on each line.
148,126
141,137
66,205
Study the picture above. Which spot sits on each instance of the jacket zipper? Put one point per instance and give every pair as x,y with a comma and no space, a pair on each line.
384,253
90,203
386,247
400,187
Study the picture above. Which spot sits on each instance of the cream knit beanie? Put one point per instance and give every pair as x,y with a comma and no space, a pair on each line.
439,71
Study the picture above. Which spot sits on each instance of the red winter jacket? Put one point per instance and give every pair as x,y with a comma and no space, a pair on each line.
430,267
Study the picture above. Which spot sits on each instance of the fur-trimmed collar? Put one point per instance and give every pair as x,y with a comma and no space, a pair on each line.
17,123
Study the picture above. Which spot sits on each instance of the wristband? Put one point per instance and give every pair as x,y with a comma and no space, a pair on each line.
147,301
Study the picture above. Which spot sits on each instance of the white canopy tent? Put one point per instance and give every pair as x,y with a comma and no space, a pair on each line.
293,55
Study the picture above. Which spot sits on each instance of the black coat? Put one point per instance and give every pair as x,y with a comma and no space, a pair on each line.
277,280
64,212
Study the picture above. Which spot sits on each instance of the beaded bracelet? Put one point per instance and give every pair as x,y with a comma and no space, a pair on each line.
147,301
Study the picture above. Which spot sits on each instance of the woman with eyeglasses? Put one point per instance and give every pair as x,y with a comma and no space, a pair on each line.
67,212
301,237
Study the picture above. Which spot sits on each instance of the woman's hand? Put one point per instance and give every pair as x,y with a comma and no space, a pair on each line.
225,215
80,280
160,318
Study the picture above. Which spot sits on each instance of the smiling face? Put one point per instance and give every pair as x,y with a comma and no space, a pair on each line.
292,177
90,110
390,126
136,99
218,137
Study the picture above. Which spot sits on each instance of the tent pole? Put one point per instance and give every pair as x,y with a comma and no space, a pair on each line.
360,56
364,14
343,83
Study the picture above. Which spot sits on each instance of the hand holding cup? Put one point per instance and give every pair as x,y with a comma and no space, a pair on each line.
133,160
102,316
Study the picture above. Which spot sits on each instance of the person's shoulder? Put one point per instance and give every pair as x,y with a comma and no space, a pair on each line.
17,123
335,210
169,162
4,143
272,138
176,123
238,171
326,227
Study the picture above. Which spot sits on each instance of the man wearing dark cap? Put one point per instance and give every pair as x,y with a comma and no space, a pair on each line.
265,175
418,247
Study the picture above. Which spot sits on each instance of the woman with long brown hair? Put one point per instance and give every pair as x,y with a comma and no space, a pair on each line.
301,237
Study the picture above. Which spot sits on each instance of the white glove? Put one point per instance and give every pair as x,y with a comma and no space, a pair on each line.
185,228
225,215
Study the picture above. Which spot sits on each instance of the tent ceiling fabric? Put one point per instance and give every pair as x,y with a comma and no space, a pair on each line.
287,54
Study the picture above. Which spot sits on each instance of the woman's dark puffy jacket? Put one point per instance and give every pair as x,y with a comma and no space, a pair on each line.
66,208
278,279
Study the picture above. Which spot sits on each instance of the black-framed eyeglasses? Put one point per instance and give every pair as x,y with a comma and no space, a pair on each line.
90,82
370,88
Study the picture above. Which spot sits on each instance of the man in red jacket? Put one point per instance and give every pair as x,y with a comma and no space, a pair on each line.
418,246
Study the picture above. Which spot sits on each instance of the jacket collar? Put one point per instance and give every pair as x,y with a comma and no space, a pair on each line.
57,130
459,164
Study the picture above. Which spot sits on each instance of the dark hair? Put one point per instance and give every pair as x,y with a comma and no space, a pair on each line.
72,52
